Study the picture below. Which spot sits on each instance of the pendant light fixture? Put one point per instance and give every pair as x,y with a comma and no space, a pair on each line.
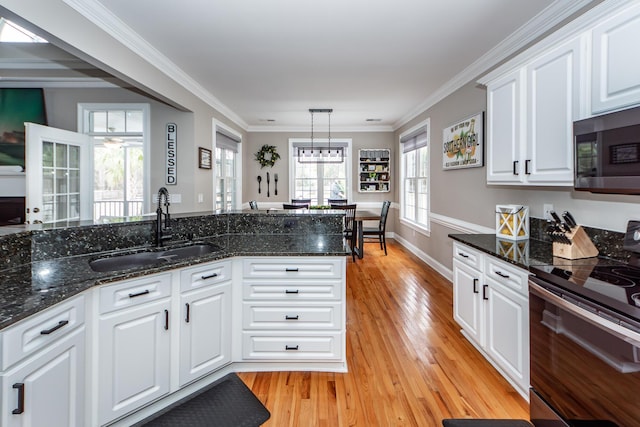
321,153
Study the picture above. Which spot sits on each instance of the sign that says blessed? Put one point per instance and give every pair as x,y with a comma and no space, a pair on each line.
463,143
172,154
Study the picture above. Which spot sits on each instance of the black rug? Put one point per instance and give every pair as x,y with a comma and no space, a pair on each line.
226,403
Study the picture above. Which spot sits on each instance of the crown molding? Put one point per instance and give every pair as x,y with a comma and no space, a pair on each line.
99,15
56,82
306,129
551,16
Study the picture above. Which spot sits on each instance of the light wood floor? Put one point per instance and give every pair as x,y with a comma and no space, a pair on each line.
408,363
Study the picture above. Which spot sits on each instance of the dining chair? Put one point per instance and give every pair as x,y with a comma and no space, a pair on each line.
349,225
253,205
301,202
379,231
337,201
295,206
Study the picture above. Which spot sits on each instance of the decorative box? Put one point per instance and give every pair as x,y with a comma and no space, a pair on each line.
512,222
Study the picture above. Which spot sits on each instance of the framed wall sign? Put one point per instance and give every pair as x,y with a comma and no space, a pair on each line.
172,154
463,143
204,156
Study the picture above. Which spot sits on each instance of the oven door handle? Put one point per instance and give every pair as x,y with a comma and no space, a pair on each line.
618,331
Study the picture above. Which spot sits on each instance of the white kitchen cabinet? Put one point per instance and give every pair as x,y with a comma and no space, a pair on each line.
530,114
615,66
46,386
205,323
293,309
490,303
134,345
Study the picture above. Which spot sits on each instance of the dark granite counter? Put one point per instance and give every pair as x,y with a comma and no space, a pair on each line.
522,253
31,284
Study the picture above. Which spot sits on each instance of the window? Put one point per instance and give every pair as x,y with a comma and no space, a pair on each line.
319,181
119,178
12,32
227,182
414,195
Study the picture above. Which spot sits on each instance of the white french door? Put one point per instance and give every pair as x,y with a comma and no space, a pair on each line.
58,183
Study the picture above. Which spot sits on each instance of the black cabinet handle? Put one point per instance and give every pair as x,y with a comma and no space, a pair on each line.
166,320
526,167
186,319
484,292
288,291
55,328
139,294
296,317
290,347
463,255
291,269
515,167
210,276
501,274
475,286
20,409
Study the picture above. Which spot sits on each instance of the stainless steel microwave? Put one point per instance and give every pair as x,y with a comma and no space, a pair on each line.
607,153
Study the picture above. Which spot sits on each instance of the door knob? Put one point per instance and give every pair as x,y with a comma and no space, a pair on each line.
36,210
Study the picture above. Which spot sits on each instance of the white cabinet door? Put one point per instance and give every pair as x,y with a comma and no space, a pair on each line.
504,128
507,329
48,389
616,68
554,84
133,358
205,340
467,300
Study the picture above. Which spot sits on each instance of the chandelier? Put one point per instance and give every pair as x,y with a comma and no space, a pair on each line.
323,152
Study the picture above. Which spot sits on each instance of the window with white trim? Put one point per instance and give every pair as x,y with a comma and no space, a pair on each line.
226,157
414,195
319,181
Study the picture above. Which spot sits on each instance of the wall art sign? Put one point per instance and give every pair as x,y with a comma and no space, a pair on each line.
204,155
463,143
172,154
16,107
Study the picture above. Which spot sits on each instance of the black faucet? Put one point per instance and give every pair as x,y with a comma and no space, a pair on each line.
163,193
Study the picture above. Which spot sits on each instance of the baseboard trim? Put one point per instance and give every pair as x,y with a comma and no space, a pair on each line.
426,258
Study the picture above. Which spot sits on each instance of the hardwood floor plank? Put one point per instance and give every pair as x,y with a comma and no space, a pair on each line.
409,365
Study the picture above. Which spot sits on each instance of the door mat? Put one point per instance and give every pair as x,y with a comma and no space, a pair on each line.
226,403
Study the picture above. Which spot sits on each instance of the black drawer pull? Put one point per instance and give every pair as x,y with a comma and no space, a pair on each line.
289,291
20,409
475,286
186,319
139,294
526,167
166,320
484,292
290,347
296,317
291,269
55,328
210,276
515,165
463,255
501,274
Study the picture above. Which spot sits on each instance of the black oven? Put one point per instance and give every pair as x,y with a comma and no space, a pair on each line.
585,345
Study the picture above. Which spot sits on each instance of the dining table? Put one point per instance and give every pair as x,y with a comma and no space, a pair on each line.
360,217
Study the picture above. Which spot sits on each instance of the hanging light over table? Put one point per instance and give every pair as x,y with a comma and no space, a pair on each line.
321,153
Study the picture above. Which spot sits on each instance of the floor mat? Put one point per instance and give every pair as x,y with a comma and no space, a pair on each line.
226,403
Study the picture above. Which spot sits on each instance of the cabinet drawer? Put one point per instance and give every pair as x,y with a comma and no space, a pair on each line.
294,268
292,346
205,275
134,292
509,275
293,290
40,330
292,316
469,256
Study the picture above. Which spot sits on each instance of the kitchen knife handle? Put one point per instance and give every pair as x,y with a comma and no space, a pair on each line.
569,219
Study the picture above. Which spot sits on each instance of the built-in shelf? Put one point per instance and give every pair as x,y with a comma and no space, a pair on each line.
374,170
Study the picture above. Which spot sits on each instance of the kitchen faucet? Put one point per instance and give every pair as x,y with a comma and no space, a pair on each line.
163,193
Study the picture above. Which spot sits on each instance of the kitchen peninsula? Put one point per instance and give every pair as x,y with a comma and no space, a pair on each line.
267,294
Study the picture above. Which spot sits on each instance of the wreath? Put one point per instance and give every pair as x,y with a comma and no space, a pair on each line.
267,156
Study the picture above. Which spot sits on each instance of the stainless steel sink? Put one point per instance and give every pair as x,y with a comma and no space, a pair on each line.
151,258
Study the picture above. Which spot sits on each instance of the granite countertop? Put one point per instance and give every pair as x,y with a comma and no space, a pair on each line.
30,288
522,253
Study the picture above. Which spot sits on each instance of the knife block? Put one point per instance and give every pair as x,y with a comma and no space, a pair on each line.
581,245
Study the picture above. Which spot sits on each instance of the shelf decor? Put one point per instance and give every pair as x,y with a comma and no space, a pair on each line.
204,156
463,143
267,156
374,170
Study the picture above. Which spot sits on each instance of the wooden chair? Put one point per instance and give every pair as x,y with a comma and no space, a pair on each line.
253,205
349,225
294,206
337,201
301,202
379,231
